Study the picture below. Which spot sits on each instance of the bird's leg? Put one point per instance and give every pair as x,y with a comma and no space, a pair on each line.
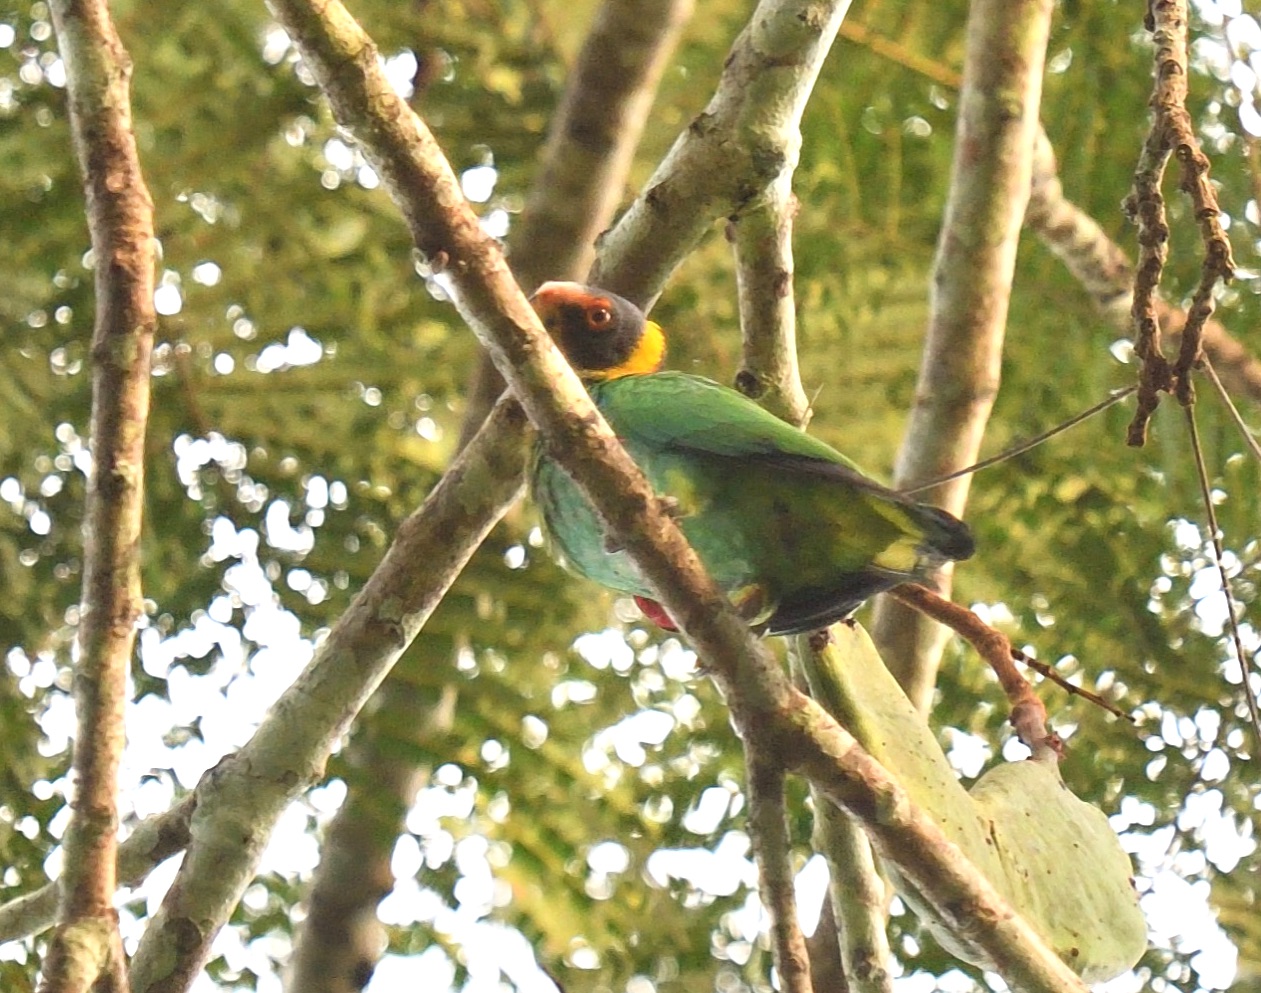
671,508
753,604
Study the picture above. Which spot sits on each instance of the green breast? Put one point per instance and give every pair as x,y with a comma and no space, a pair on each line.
761,502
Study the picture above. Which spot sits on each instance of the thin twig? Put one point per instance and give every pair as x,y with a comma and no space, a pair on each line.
772,847
827,972
1219,556
900,54
1115,397
1028,713
1048,672
857,902
1249,438
997,650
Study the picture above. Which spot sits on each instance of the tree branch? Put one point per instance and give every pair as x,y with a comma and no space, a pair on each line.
1107,275
588,154
575,191
773,849
86,949
726,160
762,242
238,802
976,254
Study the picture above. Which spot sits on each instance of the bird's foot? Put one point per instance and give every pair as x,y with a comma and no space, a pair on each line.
656,613
754,604
671,507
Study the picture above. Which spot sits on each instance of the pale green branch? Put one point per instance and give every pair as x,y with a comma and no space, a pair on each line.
972,275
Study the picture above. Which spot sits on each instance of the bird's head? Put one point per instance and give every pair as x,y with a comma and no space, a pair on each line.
602,335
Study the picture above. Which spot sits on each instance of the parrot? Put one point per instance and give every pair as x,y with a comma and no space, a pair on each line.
794,533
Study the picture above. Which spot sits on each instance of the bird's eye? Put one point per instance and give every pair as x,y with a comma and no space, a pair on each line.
599,317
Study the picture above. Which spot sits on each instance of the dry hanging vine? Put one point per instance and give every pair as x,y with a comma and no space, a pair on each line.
1172,134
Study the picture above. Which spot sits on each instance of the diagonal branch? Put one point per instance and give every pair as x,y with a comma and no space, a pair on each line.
479,487
86,949
588,154
976,255
727,158
577,187
238,802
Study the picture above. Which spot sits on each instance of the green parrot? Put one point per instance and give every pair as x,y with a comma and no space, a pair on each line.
795,534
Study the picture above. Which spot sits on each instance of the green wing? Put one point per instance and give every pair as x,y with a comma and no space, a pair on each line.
675,411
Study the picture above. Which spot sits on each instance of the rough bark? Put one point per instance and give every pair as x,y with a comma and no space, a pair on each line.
582,174
86,949
239,801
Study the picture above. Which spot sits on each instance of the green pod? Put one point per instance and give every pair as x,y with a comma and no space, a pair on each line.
1053,856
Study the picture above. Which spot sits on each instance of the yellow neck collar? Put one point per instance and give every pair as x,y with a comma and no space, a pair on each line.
647,357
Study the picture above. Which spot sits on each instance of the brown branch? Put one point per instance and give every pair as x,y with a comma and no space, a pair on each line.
726,159
342,938
86,949
575,191
1105,272
1028,713
998,117
1171,133
590,147
772,848
763,704
762,243
238,802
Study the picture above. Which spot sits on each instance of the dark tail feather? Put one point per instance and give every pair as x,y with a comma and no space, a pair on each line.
944,534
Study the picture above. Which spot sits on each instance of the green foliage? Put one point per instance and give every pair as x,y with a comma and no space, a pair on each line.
268,223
